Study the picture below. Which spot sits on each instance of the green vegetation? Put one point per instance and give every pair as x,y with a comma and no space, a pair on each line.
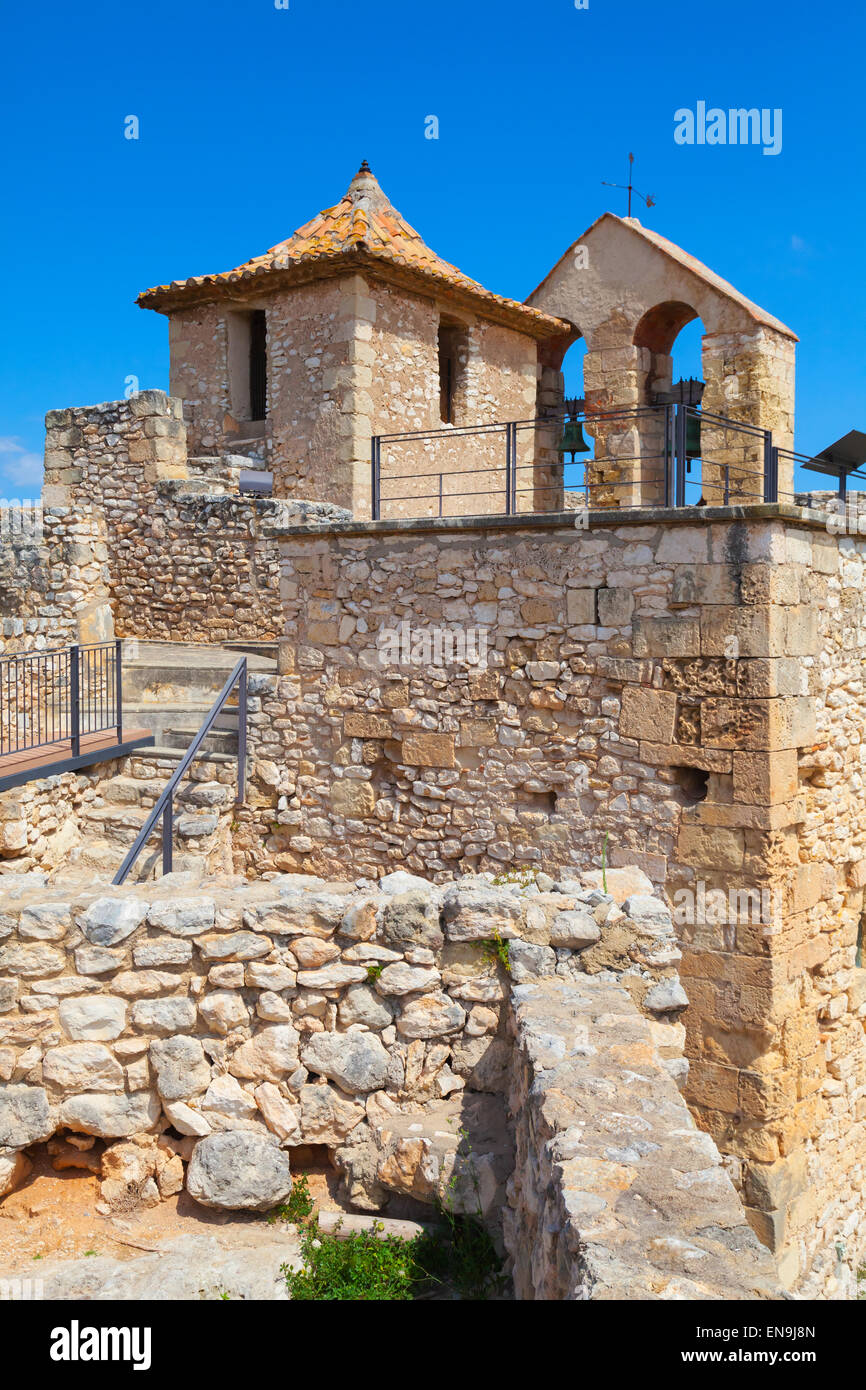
495,951
299,1207
373,973
457,1259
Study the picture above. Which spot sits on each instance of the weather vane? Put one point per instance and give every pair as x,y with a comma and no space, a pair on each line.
647,197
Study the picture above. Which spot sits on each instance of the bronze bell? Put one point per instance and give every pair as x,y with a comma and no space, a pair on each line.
693,436
572,441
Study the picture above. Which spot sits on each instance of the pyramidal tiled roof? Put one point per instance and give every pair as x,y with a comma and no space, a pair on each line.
363,229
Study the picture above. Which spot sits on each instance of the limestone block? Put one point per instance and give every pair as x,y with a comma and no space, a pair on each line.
765,778
421,749
648,714
666,637
580,607
354,799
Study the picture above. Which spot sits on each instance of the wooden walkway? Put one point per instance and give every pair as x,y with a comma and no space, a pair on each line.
51,758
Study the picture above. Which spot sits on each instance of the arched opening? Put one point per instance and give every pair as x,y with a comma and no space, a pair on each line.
561,474
670,336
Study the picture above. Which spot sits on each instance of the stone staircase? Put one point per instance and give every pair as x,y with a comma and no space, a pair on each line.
170,688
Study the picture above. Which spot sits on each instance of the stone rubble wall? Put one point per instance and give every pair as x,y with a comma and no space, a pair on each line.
40,822
296,1011
182,558
615,1193
54,589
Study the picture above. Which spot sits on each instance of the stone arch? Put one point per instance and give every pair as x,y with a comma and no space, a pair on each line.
632,291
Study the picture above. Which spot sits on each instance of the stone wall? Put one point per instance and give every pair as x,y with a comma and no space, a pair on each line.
55,587
615,1193
176,554
40,822
198,1034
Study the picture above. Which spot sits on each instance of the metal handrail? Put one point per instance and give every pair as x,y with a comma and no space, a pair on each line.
60,694
165,805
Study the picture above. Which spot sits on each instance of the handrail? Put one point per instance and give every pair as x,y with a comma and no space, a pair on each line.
165,805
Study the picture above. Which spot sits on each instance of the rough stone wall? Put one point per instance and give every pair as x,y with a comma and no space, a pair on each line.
54,590
198,350
615,1193
40,822
176,554
496,380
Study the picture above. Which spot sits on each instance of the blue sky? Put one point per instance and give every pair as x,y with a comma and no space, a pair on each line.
252,118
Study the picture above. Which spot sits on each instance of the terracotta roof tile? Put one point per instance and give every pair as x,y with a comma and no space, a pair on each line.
362,228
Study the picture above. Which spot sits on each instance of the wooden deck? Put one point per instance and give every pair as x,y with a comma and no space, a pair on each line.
51,758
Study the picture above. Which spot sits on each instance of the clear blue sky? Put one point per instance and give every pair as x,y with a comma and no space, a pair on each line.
253,118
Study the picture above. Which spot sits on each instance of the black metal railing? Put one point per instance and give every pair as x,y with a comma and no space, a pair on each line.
636,456
59,696
164,807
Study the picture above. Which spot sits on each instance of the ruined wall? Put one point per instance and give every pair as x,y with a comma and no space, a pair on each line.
40,822
177,555
615,1193
55,587
200,1036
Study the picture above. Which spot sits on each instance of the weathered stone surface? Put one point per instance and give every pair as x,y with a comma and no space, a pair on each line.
226,1098
327,1117
163,1016
26,1116
360,1004
188,917
84,1066
98,960
185,1118
478,914
430,1015
14,1168
412,917
111,1116
574,929
279,1116
45,921
332,976
110,920
180,1067
239,1170
665,997
161,951
356,1061
95,1019
31,960
271,1055
237,946
399,979
224,1010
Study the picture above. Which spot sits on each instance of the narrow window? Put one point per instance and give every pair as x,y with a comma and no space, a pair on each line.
449,339
258,365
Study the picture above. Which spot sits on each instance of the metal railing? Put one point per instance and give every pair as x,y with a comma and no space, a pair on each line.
636,456
60,695
165,805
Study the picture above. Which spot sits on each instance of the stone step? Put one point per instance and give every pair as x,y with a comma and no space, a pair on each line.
104,858
121,824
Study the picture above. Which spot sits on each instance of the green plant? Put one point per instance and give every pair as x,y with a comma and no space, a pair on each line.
604,862
373,973
298,1208
365,1267
495,950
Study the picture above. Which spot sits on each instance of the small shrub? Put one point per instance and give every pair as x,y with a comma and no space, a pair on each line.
373,973
495,951
522,877
363,1268
298,1208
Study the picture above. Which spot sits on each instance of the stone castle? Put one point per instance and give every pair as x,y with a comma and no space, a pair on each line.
671,689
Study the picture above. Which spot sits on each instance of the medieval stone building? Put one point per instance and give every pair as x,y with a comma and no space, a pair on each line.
668,686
